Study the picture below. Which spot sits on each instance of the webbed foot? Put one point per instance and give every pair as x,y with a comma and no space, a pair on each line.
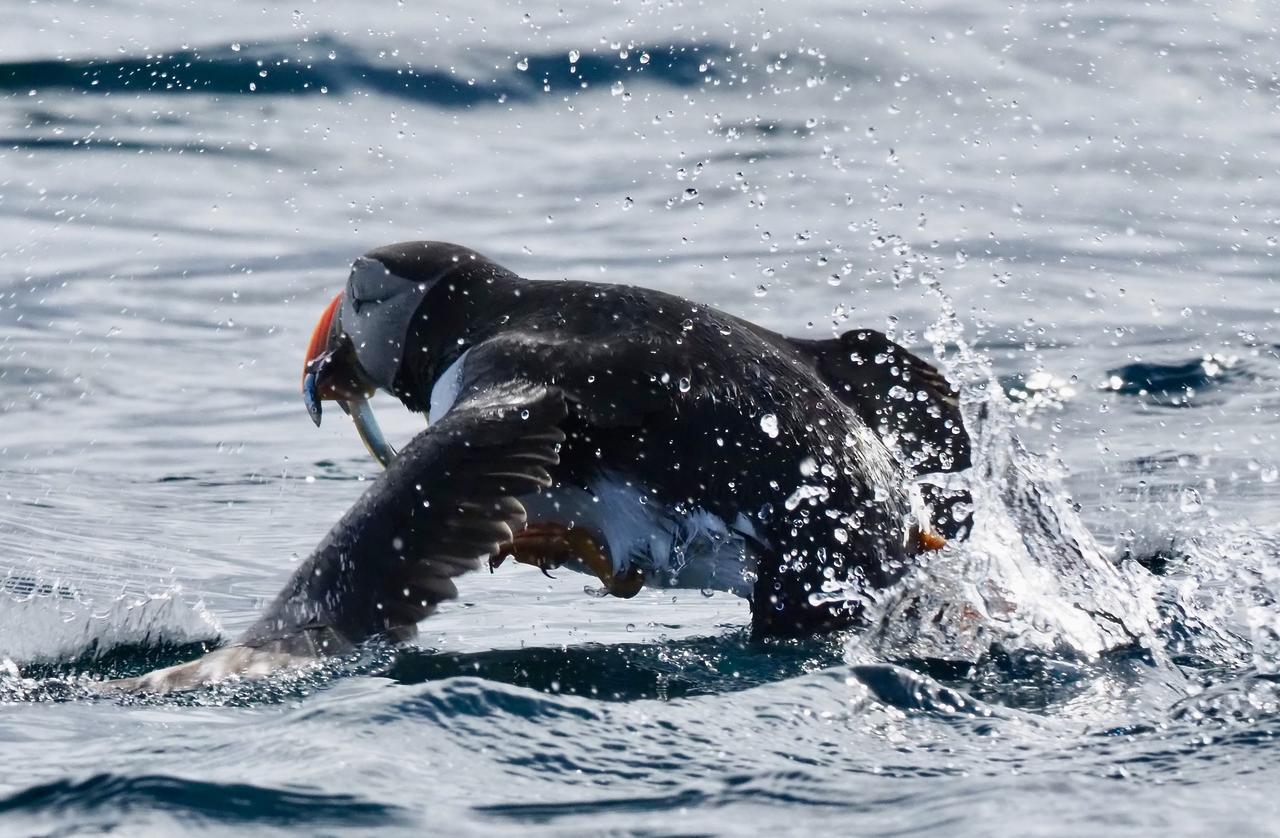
548,546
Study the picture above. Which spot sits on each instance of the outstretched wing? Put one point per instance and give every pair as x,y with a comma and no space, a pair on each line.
898,393
441,508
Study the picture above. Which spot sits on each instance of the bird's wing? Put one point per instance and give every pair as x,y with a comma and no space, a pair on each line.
611,382
899,394
440,509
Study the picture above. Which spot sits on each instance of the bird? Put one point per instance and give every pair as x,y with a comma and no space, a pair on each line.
628,433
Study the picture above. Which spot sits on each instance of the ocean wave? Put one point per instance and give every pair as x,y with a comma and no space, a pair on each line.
628,672
48,621
1178,383
91,143
211,801
328,65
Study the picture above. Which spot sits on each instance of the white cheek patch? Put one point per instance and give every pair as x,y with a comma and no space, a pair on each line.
445,391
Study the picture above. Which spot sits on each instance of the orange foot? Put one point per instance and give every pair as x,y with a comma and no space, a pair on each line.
930,540
548,546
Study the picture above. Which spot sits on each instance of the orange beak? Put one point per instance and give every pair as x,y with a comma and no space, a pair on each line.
332,372
320,337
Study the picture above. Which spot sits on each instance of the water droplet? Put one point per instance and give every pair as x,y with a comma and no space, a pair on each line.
684,385
235,47
769,424
574,55
522,64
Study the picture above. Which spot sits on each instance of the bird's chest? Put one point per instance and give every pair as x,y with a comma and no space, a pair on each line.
675,548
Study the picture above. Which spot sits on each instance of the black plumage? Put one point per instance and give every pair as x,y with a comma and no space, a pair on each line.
674,394
809,447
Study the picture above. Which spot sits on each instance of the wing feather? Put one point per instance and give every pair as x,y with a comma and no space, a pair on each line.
443,506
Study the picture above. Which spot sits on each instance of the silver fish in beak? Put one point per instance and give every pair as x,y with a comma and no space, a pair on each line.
370,432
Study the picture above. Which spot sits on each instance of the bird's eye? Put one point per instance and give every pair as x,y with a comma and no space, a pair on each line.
372,282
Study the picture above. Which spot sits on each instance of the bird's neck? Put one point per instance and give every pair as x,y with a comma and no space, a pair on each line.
453,318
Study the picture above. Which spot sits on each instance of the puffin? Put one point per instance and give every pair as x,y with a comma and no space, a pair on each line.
642,438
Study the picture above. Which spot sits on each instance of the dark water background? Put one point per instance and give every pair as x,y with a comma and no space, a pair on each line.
1074,201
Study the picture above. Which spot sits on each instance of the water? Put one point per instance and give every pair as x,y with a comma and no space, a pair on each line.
1070,202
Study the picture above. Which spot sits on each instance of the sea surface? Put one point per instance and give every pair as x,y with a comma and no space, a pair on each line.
1073,207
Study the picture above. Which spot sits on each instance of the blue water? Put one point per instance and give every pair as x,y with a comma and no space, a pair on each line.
1071,206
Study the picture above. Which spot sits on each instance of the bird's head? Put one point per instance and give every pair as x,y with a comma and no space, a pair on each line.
374,335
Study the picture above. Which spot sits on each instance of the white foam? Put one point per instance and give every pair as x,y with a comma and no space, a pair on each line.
46,622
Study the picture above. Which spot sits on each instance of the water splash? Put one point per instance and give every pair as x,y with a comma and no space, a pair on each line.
1030,577
50,622
1219,599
